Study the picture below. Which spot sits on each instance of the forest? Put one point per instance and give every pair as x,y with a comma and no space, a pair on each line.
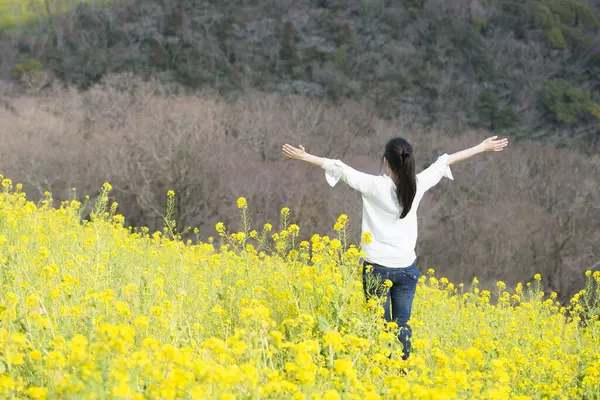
529,68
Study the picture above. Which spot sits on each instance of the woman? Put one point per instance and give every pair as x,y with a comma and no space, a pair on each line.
390,204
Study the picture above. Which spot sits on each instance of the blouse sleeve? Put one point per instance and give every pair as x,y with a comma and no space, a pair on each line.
430,177
336,170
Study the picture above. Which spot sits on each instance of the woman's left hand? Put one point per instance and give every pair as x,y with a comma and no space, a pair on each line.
294,152
494,144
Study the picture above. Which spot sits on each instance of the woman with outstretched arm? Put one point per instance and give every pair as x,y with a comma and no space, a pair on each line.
390,204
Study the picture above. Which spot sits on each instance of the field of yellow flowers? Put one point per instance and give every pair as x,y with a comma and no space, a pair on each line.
91,309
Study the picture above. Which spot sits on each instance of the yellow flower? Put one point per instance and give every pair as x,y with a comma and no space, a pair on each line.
122,389
13,299
220,227
107,186
277,336
341,366
331,394
241,236
353,252
333,339
575,299
36,392
367,238
268,227
171,193
537,277
241,203
294,229
35,355
341,222
32,302
156,311
129,289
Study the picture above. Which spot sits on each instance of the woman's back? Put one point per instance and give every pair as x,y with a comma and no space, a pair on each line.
393,239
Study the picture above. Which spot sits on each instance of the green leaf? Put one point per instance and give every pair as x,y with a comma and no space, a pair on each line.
323,324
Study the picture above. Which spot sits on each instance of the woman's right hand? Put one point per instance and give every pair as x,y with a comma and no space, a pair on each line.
494,144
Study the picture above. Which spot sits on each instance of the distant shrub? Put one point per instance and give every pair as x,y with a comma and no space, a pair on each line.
32,73
507,118
494,115
480,22
564,17
594,110
556,39
564,102
340,58
414,6
30,65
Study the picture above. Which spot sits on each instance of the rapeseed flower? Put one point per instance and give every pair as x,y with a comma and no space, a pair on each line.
367,238
97,309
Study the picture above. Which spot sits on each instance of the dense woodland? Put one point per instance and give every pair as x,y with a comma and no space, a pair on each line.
530,68
198,96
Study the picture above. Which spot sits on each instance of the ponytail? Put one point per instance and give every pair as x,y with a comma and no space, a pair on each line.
398,153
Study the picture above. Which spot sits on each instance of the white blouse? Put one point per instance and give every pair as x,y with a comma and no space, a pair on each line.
393,239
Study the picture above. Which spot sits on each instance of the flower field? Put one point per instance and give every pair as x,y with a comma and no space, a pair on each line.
91,309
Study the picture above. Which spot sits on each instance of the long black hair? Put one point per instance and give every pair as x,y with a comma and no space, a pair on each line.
399,156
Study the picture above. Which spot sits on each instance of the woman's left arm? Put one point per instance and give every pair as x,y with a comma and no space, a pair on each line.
489,144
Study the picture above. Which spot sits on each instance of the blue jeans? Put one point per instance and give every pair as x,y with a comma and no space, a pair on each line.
398,298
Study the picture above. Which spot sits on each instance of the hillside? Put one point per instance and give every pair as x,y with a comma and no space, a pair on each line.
84,310
529,68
